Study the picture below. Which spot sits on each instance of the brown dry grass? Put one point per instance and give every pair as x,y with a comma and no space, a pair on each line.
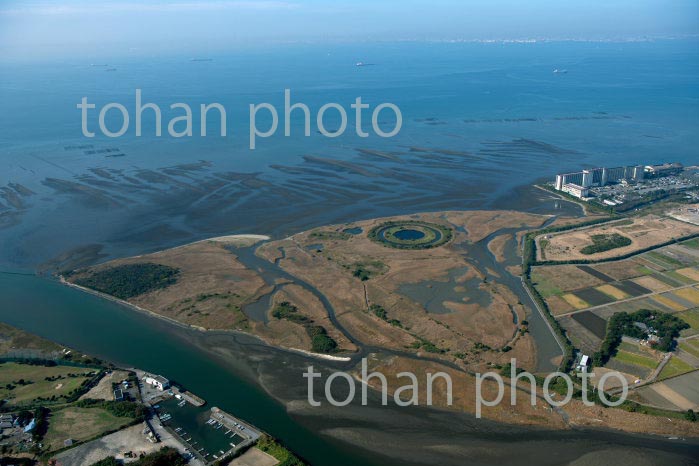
213,286
210,289
652,283
497,246
563,278
558,305
610,290
644,232
598,416
330,271
622,270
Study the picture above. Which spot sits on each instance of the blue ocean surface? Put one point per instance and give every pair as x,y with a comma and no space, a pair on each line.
479,119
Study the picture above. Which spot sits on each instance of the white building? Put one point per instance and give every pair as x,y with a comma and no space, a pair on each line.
157,381
584,363
576,190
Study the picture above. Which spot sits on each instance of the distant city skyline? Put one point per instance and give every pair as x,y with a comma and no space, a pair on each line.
47,29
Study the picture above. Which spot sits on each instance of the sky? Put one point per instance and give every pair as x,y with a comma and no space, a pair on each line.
38,29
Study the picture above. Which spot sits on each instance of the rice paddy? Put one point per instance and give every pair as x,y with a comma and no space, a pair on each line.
690,272
615,293
692,318
627,357
666,280
574,301
674,367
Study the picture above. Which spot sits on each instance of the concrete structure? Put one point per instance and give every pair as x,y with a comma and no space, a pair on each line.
664,169
576,190
587,177
603,176
157,381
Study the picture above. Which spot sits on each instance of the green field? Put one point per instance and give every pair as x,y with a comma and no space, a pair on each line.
692,243
545,288
691,346
631,348
690,316
627,357
676,366
80,424
22,384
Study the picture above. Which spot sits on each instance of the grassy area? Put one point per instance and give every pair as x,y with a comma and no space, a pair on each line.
605,242
369,269
330,235
635,359
690,316
692,243
674,367
284,456
545,288
691,346
679,277
80,424
23,384
631,348
664,260
129,280
13,338
286,310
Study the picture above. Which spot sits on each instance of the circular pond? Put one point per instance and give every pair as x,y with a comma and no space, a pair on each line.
411,234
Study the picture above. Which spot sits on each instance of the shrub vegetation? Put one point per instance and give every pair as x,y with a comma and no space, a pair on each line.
129,280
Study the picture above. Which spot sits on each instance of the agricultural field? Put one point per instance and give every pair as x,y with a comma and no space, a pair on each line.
675,367
622,285
24,384
691,347
584,297
635,359
692,318
678,393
